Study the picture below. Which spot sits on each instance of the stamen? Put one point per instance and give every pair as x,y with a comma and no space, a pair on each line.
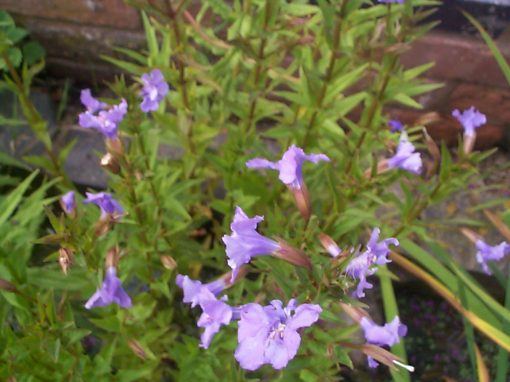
403,365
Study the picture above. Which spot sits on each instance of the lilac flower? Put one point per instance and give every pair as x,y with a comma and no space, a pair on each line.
100,116
362,265
290,166
395,126
387,335
108,205
193,289
269,334
154,90
245,242
380,249
406,158
215,313
470,119
111,292
490,253
68,202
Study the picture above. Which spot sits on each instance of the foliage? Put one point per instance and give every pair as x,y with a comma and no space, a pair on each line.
248,79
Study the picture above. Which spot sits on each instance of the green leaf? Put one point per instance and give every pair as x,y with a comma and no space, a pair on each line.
9,203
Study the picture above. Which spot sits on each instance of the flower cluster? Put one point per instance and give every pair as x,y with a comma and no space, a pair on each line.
100,116
486,252
106,118
363,265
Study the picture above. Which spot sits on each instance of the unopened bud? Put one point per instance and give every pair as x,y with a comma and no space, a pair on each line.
109,162
65,259
168,262
112,257
7,286
329,245
302,199
135,346
432,147
292,255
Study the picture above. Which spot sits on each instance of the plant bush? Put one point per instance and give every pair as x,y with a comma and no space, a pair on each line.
216,96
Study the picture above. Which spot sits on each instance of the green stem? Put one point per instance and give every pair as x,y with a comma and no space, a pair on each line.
502,358
327,78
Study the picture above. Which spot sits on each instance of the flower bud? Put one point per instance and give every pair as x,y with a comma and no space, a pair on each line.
65,259
329,245
110,163
168,262
135,346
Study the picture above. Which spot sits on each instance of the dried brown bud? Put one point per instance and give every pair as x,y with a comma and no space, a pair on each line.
112,257
109,162
432,147
168,262
135,346
65,259
292,255
7,286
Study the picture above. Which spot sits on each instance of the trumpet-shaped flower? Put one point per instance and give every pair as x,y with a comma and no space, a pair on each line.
290,166
68,202
387,335
363,265
245,242
490,253
470,119
111,292
108,205
100,116
406,158
194,289
154,90
269,334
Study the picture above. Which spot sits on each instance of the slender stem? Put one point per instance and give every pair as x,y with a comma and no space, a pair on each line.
154,192
328,77
173,15
258,67
372,112
34,117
